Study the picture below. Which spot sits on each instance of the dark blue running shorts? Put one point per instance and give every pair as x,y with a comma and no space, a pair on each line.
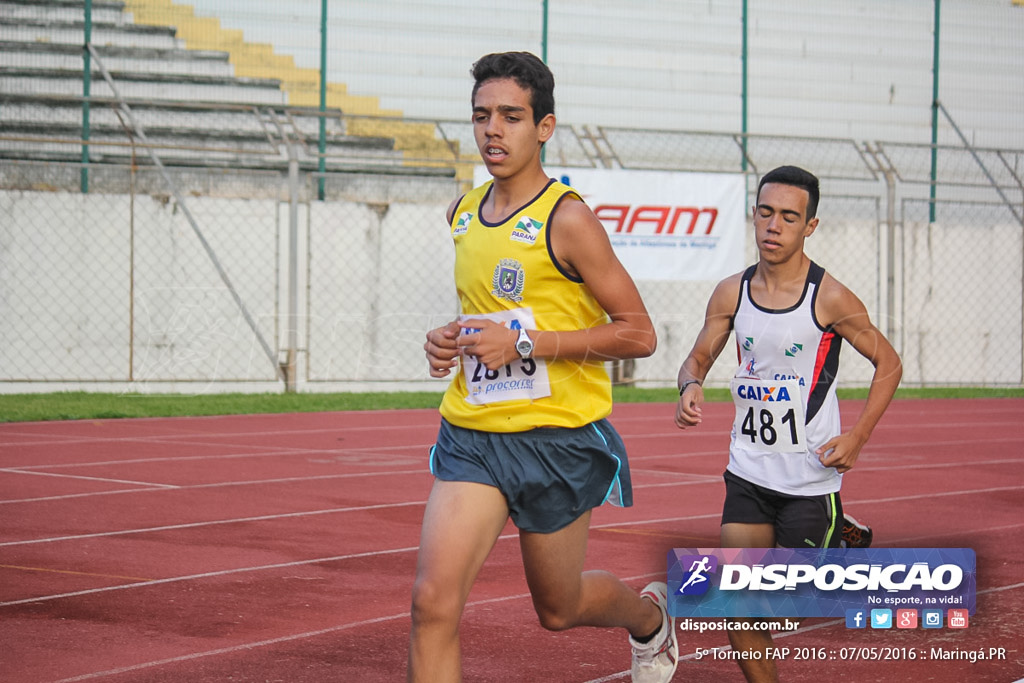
549,475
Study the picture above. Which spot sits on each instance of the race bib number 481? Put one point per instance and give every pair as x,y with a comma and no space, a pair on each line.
520,379
769,414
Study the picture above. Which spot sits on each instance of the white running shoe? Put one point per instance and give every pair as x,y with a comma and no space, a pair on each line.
655,661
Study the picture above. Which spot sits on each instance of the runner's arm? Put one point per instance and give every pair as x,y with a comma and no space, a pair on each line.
441,347
581,245
709,344
849,318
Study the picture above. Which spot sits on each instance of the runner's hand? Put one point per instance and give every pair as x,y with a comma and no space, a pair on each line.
689,410
494,345
442,349
841,452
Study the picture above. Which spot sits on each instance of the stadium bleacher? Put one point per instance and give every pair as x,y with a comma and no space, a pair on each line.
210,106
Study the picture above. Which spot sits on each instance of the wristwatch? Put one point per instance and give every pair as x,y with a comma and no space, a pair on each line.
688,383
524,345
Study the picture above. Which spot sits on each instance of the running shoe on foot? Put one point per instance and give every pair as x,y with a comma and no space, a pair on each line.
655,661
855,534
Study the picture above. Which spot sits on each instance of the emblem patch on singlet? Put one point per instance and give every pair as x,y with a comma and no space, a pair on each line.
508,280
526,230
794,349
463,223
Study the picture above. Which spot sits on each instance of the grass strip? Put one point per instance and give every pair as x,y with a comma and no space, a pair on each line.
105,406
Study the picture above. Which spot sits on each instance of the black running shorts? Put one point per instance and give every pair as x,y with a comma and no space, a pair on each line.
799,521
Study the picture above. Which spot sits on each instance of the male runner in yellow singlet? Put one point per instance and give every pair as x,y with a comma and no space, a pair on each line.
544,303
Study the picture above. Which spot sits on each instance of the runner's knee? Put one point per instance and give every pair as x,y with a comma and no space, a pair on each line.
556,617
434,603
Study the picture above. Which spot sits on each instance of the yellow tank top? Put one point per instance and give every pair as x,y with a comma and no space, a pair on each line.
506,272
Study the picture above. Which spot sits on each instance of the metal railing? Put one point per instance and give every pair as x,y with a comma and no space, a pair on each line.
195,261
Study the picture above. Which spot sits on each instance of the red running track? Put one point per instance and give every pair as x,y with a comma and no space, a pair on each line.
282,547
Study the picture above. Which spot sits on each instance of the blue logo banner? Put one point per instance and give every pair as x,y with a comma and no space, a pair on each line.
813,582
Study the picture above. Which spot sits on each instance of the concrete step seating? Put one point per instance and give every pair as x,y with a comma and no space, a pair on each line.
189,97
103,11
68,57
49,128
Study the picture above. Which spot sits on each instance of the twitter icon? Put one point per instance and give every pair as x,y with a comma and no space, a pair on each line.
881,618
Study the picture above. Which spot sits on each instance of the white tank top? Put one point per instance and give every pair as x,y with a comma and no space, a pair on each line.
785,394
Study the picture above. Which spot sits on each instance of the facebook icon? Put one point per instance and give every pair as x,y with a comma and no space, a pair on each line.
856,618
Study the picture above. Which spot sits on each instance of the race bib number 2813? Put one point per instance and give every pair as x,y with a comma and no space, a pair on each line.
769,414
520,379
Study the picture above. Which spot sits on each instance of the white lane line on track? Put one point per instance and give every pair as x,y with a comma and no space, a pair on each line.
147,484
786,634
228,456
225,484
308,513
906,541
206,575
257,482
940,494
218,522
317,560
338,558
289,638
405,615
60,439
193,525
872,448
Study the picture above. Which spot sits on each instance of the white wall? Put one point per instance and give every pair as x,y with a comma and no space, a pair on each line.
100,289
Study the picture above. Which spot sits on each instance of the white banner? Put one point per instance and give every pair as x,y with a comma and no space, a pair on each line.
665,225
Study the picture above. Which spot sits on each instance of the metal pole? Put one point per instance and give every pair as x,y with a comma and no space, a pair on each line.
86,89
544,35
181,204
890,254
981,164
935,114
888,174
544,58
744,94
322,162
293,269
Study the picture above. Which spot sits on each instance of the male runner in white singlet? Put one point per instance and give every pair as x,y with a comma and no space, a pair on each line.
787,453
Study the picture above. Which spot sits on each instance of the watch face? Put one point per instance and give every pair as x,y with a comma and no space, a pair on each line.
524,345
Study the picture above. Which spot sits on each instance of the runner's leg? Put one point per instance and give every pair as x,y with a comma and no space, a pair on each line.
762,670
461,523
565,596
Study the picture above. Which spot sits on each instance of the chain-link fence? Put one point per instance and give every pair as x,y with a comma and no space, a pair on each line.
181,206
180,269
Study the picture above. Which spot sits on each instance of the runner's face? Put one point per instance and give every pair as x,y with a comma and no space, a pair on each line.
503,125
780,224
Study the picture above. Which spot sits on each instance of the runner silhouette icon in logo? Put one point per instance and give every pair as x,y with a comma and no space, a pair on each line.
696,582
